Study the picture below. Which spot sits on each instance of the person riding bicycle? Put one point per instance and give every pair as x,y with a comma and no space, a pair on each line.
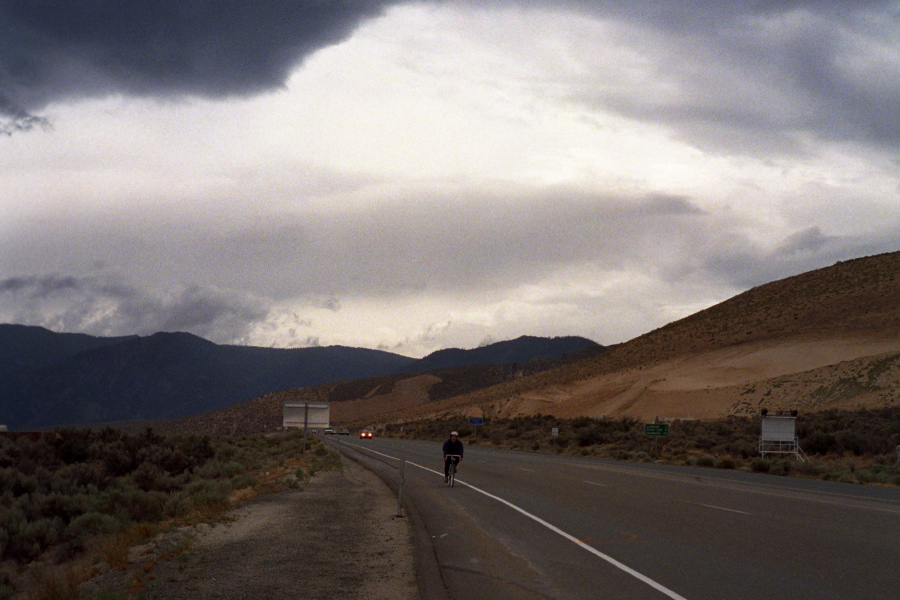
452,446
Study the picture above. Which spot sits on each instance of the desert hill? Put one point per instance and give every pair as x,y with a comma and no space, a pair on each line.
828,338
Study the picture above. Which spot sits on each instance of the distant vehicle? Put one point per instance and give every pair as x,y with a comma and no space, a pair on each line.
344,432
329,431
314,431
365,433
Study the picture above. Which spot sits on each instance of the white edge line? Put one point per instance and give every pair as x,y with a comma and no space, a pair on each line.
657,586
722,508
595,483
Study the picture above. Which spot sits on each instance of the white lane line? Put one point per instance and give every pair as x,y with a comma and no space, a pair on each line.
529,470
657,586
373,451
595,483
721,508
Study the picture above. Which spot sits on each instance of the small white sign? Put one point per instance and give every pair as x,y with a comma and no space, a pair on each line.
554,432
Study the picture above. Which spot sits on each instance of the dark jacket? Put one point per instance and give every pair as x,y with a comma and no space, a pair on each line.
451,447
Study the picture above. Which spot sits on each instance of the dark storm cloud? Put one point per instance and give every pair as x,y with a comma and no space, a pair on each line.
39,287
52,50
105,305
746,75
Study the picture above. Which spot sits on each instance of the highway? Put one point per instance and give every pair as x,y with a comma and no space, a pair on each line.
522,525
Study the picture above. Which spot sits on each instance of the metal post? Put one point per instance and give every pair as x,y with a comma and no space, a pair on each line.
400,489
305,423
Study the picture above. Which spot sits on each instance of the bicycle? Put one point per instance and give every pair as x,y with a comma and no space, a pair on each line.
451,472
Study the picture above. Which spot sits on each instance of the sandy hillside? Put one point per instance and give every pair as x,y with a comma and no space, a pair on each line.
825,339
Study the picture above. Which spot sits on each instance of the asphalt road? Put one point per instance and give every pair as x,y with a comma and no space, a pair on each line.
521,525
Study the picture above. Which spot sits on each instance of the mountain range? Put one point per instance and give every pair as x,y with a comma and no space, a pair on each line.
49,378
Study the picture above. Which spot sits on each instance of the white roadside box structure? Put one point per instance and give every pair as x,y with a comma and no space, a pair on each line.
309,414
779,436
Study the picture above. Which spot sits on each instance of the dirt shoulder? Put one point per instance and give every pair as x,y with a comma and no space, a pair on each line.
338,538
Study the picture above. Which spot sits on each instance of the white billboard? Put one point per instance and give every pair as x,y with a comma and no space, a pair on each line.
779,429
313,414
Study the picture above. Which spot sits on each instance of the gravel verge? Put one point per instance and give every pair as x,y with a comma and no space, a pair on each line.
337,538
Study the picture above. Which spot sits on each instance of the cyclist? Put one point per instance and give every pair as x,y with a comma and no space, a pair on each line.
452,446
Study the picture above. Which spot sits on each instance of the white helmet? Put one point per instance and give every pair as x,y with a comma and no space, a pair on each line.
454,433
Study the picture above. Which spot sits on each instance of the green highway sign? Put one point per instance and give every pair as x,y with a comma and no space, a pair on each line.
656,429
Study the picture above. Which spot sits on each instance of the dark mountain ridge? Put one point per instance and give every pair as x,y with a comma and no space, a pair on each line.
520,350
50,379
55,379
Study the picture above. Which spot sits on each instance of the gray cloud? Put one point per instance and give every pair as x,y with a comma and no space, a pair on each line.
107,305
438,246
52,50
749,76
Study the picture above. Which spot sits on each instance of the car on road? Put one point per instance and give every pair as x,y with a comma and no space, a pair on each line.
345,432
365,433
329,431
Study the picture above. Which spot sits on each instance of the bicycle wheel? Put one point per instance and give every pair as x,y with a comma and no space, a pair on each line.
452,475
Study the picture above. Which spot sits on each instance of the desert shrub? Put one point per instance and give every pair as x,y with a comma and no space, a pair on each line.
807,468
62,506
744,448
581,422
118,459
148,476
209,503
820,443
62,490
239,482
215,469
855,442
706,461
91,524
199,448
761,465
726,463
704,442
31,538
114,550
131,505
561,441
330,462
594,435
80,476
57,585
780,467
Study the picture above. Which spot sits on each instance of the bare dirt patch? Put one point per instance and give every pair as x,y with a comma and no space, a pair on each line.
338,538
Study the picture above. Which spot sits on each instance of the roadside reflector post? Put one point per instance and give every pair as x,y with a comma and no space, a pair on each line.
400,489
305,425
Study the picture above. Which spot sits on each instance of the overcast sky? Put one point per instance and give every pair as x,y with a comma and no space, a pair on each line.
420,175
